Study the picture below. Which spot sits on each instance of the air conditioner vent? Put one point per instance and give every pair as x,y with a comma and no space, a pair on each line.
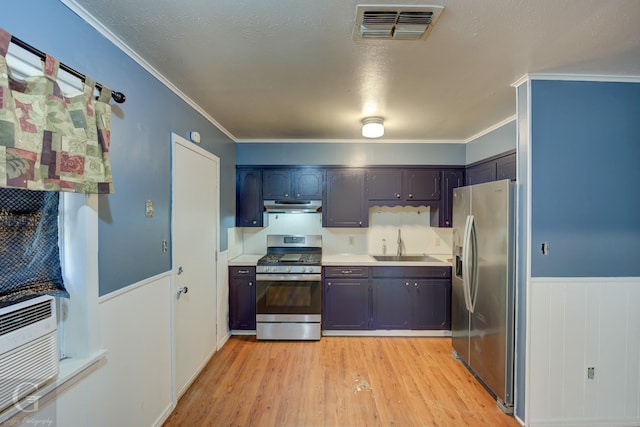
395,22
28,348
26,316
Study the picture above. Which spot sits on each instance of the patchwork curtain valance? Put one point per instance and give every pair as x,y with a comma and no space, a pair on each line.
49,141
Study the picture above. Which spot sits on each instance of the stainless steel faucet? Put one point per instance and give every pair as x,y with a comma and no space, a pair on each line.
399,243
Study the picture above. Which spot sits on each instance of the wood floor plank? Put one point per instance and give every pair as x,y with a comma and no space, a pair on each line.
337,381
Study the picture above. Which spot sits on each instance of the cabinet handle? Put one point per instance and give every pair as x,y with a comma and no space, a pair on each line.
328,283
415,284
298,195
286,194
241,271
397,195
250,283
254,221
347,271
360,223
406,284
410,196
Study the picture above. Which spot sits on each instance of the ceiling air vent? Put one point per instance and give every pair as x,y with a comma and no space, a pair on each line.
394,22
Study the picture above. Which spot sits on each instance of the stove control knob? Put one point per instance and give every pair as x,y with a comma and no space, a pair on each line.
273,269
289,269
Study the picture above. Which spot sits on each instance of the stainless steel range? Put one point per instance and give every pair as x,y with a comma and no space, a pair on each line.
288,288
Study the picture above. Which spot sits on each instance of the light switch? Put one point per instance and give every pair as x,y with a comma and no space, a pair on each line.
149,209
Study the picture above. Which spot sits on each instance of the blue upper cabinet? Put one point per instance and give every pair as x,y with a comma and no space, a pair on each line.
249,202
495,168
506,167
409,187
451,178
344,202
483,172
292,184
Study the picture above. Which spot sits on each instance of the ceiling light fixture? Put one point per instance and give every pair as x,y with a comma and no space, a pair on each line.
372,127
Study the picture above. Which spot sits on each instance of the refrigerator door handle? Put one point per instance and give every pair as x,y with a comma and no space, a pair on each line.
473,278
465,263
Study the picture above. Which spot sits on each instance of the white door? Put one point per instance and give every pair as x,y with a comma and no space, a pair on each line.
195,244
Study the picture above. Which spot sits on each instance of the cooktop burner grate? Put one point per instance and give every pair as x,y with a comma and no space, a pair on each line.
291,258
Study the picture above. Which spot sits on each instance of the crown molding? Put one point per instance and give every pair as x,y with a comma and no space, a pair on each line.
100,28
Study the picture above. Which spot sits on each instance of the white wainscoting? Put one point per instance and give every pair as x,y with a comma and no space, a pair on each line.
135,329
223,299
574,324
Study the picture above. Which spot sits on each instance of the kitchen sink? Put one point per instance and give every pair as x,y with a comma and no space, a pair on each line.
418,258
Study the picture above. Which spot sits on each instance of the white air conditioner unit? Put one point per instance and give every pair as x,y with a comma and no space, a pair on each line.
28,348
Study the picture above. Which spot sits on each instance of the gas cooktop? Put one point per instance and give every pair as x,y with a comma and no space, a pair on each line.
290,258
292,254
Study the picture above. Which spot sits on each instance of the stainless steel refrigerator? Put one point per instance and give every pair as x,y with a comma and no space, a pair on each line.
483,285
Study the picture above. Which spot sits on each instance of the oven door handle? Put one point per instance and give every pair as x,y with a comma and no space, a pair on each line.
288,277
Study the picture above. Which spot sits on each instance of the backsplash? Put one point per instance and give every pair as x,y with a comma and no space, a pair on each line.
418,236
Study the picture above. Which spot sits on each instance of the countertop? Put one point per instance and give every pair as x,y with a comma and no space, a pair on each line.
349,260
368,260
244,260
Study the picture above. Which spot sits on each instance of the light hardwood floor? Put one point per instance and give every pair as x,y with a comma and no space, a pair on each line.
337,381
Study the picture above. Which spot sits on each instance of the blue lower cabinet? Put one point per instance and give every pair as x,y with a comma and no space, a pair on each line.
432,304
410,303
242,298
361,298
347,304
346,298
392,302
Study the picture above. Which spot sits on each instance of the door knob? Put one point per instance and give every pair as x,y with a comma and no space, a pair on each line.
182,290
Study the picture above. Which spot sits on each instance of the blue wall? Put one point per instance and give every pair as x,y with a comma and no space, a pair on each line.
129,243
585,154
353,154
492,143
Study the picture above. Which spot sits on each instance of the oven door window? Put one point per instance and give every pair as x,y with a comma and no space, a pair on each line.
288,297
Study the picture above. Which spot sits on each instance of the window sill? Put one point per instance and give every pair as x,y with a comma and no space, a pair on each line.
72,368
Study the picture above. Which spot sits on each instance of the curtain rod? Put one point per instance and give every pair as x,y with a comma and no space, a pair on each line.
118,97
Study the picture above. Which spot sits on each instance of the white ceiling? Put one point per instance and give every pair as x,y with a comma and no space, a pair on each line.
290,70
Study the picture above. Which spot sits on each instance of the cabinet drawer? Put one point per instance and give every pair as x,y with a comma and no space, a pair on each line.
346,271
242,271
415,272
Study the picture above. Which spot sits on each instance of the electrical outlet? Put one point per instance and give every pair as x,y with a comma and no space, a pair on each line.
591,372
165,246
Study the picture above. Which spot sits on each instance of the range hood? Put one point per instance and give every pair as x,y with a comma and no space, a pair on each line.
292,206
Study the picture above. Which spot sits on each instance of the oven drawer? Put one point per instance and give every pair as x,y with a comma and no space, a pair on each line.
346,272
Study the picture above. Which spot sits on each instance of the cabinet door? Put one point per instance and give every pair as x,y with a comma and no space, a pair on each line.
344,203
384,184
249,202
431,304
484,172
450,179
392,304
422,185
347,304
242,298
307,184
276,184
506,167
